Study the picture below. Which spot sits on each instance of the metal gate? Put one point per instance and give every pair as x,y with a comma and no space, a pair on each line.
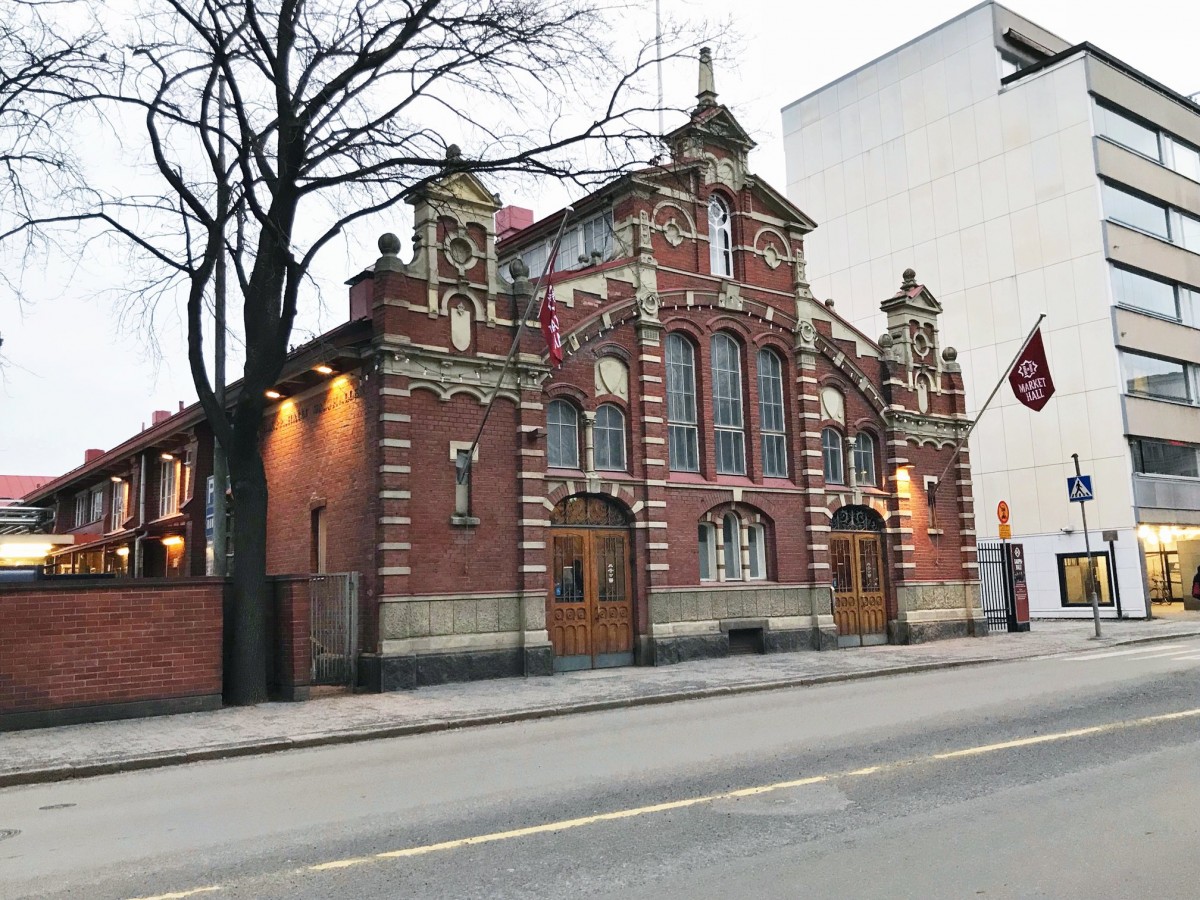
996,586
333,630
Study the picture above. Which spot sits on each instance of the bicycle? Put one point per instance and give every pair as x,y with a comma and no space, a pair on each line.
1160,592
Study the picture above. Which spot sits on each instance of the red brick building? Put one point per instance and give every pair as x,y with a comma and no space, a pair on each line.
721,463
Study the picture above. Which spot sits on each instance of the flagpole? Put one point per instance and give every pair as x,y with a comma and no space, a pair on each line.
463,462
1003,378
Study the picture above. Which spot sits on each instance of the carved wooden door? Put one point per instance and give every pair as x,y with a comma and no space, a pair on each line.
590,608
859,610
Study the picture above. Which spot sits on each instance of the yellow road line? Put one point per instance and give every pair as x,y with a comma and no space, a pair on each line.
567,824
179,894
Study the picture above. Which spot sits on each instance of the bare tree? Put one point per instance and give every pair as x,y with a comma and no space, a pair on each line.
336,110
42,71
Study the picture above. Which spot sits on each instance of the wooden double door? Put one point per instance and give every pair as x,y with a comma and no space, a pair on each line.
589,612
859,608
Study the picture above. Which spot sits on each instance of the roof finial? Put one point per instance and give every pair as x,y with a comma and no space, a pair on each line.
708,88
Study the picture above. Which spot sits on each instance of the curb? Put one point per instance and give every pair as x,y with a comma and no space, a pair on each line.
277,745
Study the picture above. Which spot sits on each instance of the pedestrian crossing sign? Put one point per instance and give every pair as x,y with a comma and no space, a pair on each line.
1079,489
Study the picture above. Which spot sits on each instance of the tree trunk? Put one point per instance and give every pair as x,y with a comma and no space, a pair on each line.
246,674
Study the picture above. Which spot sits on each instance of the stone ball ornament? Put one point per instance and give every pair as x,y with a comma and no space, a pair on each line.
389,244
949,355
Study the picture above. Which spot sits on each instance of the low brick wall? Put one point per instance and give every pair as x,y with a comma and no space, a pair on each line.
114,649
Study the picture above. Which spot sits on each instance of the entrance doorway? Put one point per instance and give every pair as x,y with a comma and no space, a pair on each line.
856,558
589,612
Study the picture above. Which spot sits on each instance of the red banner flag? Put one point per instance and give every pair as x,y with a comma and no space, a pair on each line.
550,330
1030,376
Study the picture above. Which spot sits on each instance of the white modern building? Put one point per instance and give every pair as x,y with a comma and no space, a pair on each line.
1021,175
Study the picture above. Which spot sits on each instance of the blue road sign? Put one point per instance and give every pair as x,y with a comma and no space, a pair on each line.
1079,489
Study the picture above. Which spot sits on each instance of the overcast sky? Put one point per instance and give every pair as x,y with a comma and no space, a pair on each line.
76,376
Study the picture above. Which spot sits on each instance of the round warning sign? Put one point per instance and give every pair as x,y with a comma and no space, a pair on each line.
1002,512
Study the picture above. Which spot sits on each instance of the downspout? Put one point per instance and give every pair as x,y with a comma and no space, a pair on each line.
137,542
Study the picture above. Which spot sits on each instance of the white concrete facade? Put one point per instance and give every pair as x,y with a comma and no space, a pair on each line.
994,194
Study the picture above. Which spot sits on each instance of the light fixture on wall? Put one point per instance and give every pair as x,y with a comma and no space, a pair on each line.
167,457
173,540
115,479
273,394
323,369
122,551
1067,530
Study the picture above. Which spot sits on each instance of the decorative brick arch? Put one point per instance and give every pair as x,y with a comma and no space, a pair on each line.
852,374
611,490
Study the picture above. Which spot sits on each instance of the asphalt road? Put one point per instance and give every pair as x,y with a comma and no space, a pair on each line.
1075,776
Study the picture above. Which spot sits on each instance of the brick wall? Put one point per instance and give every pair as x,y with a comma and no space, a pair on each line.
316,449
84,652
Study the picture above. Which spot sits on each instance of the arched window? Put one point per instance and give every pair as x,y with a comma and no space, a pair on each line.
681,405
719,544
864,458
728,428
831,450
562,435
731,535
608,433
720,238
770,414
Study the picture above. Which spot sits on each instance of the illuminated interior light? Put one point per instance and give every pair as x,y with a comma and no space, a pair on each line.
323,369
24,551
124,551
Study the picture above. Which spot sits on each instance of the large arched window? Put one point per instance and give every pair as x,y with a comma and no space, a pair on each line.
681,405
562,435
864,458
770,414
831,450
720,238
729,434
608,434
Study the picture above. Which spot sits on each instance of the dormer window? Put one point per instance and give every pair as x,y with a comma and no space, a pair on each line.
720,238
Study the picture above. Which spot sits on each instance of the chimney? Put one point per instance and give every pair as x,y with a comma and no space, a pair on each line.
511,219
91,455
159,415
181,406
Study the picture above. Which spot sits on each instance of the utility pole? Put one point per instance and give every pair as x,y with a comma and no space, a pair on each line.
220,469
1087,546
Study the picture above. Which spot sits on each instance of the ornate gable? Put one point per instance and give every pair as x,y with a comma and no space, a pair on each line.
461,189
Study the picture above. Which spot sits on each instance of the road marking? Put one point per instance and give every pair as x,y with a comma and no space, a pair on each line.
634,812
178,894
1140,653
566,824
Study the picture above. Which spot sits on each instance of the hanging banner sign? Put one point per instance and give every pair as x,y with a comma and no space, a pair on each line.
1030,376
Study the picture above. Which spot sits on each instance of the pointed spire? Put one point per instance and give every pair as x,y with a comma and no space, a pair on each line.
708,88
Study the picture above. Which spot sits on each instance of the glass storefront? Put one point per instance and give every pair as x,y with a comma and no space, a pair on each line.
1171,554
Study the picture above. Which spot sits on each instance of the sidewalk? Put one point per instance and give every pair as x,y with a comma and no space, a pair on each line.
53,754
